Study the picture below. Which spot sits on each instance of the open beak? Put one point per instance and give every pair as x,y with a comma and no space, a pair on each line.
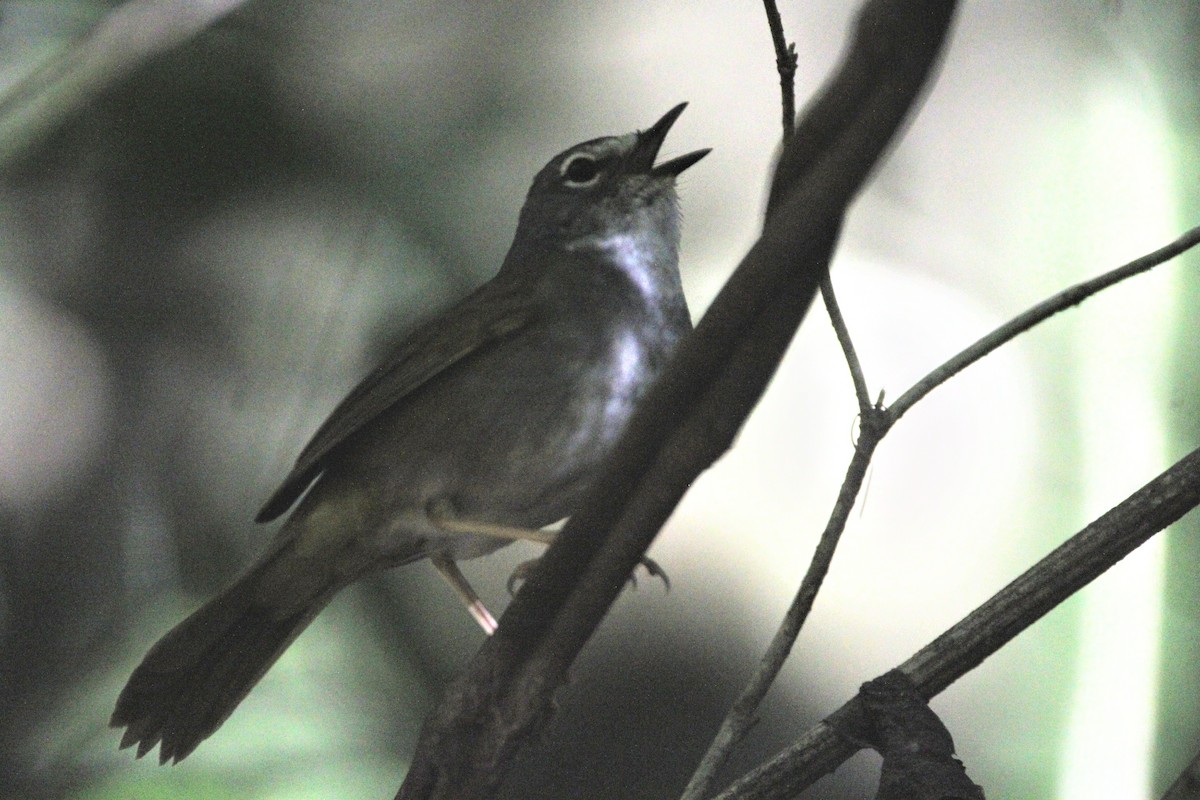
650,141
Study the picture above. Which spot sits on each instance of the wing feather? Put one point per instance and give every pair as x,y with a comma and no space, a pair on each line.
475,325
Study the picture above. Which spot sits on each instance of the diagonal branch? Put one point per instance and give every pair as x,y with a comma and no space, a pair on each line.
741,715
690,415
857,378
785,64
1066,570
875,424
1071,296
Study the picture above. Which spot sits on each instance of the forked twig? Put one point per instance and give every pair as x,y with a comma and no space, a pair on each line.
875,423
1062,573
741,715
785,63
691,414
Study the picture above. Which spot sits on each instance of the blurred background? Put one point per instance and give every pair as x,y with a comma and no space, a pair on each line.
215,217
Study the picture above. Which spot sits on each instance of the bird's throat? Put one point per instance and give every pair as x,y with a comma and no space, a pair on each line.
634,255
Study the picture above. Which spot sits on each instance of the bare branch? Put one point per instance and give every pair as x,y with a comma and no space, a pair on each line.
876,423
1070,567
1039,313
861,392
741,715
690,415
785,64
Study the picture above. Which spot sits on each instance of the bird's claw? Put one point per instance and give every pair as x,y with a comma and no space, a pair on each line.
519,574
522,570
654,571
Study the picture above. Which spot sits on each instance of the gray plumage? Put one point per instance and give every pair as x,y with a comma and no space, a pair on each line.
500,410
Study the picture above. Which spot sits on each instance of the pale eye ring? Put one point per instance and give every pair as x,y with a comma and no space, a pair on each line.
580,170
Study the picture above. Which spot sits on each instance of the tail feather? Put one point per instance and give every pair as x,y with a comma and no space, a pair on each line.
193,679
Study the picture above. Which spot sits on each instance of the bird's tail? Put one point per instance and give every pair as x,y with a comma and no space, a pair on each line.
196,675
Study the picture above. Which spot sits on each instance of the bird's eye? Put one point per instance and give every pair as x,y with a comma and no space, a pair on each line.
580,170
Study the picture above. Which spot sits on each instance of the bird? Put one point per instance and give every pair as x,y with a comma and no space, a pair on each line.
483,426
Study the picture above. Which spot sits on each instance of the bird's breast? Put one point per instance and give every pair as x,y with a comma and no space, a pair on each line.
627,373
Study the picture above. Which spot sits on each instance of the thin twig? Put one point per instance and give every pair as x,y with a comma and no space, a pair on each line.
1071,296
785,62
1073,565
861,392
876,423
741,715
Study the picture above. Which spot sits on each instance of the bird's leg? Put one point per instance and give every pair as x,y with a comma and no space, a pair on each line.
443,515
458,582
510,532
522,570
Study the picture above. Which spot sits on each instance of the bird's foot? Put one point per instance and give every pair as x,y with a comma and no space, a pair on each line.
654,570
522,570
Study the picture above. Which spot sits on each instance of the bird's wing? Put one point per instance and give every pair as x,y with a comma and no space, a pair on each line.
475,325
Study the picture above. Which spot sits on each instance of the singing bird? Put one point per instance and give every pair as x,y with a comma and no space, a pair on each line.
485,425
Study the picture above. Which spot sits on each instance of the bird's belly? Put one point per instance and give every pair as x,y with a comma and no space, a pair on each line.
530,465
513,447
